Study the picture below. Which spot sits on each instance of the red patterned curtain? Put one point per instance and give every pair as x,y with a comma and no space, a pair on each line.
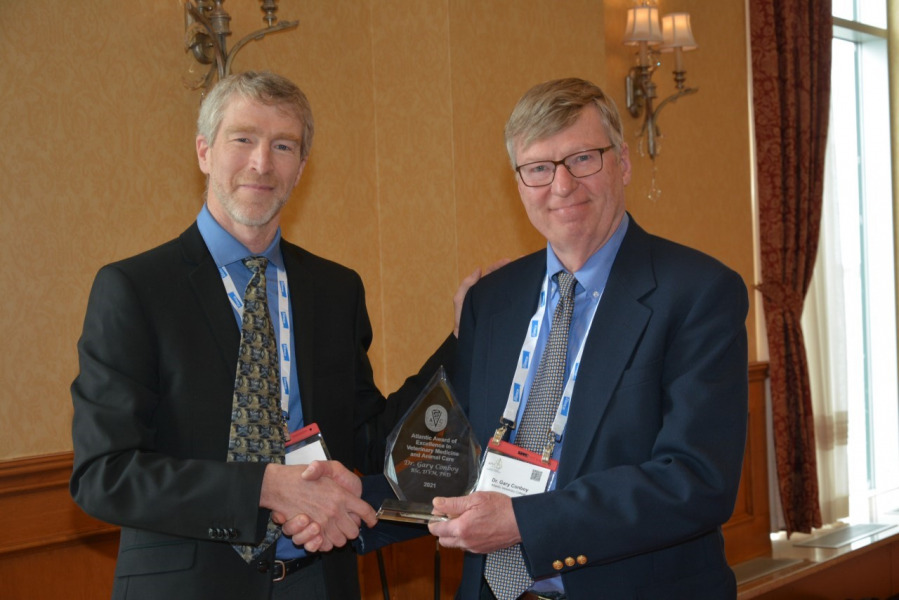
791,56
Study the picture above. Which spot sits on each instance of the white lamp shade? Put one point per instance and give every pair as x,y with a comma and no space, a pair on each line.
643,26
676,32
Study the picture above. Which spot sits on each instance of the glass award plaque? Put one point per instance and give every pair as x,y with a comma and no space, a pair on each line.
431,452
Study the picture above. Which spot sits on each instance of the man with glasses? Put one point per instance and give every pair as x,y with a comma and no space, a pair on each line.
639,459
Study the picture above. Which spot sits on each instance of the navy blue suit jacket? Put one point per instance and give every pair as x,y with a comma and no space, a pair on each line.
653,449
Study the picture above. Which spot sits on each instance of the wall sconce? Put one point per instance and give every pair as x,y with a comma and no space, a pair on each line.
206,29
674,35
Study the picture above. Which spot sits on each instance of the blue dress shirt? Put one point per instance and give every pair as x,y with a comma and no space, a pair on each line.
591,282
228,253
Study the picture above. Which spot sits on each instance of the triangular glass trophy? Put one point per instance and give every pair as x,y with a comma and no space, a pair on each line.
431,452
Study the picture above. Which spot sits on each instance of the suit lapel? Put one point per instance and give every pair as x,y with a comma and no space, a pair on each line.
212,302
507,327
209,292
302,304
617,327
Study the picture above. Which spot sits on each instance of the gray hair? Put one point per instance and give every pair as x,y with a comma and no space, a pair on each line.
262,86
549,107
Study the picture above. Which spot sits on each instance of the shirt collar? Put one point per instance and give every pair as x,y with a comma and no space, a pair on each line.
593,276
226,249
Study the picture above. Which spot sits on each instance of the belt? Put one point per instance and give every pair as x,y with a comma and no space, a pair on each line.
283,568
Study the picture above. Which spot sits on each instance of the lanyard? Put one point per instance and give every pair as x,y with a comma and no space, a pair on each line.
283,324
513,403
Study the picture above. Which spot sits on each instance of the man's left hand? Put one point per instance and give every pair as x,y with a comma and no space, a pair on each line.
480,522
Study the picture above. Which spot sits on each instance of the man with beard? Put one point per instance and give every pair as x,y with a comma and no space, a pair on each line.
164,376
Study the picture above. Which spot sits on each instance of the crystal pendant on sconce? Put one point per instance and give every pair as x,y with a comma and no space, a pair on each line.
655,192
644,152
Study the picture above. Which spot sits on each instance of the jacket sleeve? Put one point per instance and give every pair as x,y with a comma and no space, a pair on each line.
121,473
664,464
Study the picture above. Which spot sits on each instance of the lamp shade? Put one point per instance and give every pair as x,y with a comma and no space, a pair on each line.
643,26
676,32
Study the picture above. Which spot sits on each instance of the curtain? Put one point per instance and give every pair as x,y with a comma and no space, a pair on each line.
791,54
824,327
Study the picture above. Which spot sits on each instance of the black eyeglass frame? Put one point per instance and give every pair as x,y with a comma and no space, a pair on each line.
556,164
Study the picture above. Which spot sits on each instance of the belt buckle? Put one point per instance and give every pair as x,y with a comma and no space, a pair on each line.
283,571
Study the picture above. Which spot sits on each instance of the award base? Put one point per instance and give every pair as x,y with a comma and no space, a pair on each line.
408,512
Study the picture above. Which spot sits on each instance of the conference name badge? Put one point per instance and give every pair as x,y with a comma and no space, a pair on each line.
305,445
514,471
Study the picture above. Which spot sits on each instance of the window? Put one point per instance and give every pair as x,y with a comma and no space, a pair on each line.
850,315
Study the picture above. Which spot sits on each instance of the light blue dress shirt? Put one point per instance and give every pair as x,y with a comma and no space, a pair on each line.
591,282
228,253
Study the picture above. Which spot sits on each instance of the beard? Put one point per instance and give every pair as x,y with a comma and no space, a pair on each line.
248,215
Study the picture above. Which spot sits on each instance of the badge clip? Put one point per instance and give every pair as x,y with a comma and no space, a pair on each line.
500,433
548,450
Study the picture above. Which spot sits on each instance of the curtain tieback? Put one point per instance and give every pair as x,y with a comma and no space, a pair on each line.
782,297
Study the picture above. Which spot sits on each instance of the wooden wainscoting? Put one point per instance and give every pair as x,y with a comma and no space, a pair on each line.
747,533
51,549
409,569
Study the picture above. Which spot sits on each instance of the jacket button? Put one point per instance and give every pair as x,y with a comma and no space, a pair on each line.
262,566
582,560
569,562
557,565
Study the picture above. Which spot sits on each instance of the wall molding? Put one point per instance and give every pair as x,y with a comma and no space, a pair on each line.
36,510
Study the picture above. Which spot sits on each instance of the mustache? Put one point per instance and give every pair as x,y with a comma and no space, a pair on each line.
263,181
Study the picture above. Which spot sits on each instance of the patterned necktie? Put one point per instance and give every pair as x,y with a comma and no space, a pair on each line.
257,426
505,569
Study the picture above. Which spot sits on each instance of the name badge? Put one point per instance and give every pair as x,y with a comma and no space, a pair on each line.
514,471
305,445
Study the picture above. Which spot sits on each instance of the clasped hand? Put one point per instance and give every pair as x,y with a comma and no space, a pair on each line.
318,505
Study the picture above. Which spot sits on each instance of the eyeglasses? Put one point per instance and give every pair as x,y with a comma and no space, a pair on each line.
580,164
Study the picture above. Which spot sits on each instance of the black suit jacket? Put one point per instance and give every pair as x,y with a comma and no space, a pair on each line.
152,406
652,453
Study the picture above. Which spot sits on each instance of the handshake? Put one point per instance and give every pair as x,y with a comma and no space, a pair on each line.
318,506
323,499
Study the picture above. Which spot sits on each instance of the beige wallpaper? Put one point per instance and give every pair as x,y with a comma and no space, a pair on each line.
408,180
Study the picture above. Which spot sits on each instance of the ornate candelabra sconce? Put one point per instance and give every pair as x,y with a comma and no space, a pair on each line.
206,32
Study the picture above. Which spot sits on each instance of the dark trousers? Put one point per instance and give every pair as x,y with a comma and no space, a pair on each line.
308,583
